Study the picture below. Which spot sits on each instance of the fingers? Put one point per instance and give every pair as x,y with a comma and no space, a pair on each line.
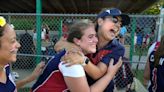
111,62
80,53
38,70
67,60
73,57
119,63
120,59
66,57
69,64
41,64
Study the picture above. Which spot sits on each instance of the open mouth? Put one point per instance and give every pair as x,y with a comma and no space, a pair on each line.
113,30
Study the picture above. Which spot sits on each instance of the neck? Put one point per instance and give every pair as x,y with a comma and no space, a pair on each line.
1,68
102,42
2,65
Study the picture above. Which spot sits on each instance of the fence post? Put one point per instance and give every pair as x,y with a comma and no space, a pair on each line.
161,23
60,29
132,38
38,28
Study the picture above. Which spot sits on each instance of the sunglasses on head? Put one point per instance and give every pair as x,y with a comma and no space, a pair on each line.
111,18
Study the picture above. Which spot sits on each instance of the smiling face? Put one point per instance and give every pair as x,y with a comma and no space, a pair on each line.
107,28
88,41
8,45
83,34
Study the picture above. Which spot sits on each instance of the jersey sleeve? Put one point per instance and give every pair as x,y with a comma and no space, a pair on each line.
151,48
115,54
72,71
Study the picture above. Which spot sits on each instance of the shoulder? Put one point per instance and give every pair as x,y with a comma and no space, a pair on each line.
72,71
118,45
115,47
151,48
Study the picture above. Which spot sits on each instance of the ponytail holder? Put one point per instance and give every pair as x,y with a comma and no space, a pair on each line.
2,21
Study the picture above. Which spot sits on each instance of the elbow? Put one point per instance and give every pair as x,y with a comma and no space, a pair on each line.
97,76
145,82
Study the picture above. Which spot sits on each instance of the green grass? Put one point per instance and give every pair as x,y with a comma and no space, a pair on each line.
140,51
139,75
24,90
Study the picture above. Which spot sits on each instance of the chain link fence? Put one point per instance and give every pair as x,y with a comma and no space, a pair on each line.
141,33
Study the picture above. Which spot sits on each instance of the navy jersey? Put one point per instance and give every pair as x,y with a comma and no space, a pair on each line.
114,50
156,73
51,80
9,86
153,73
160,75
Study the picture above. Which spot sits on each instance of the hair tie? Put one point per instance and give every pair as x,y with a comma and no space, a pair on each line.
2,21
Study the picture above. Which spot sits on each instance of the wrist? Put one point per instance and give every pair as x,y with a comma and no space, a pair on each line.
86,61
108,77
111,74
31,78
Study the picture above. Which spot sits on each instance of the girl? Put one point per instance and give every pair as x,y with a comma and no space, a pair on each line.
81,35
154,70
8,52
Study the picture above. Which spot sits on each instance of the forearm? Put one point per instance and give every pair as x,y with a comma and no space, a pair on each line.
101,84
37,71
145,82
146,78
24,81
59,45
74,85
63,44
95,71
146,74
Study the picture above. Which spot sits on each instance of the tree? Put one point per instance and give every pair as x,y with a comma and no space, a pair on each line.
155,9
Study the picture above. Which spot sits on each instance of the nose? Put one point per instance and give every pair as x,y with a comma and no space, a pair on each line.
18,45
95,39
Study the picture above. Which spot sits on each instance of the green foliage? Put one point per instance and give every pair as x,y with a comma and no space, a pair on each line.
23,23
155,9
152,11
29,22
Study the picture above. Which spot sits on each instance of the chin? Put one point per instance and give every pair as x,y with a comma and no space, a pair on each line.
13,59
112,38
93,51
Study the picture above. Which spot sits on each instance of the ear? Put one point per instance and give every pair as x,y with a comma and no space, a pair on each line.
100,21
76,41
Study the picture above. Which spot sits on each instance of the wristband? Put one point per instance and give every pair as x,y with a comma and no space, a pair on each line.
86,61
